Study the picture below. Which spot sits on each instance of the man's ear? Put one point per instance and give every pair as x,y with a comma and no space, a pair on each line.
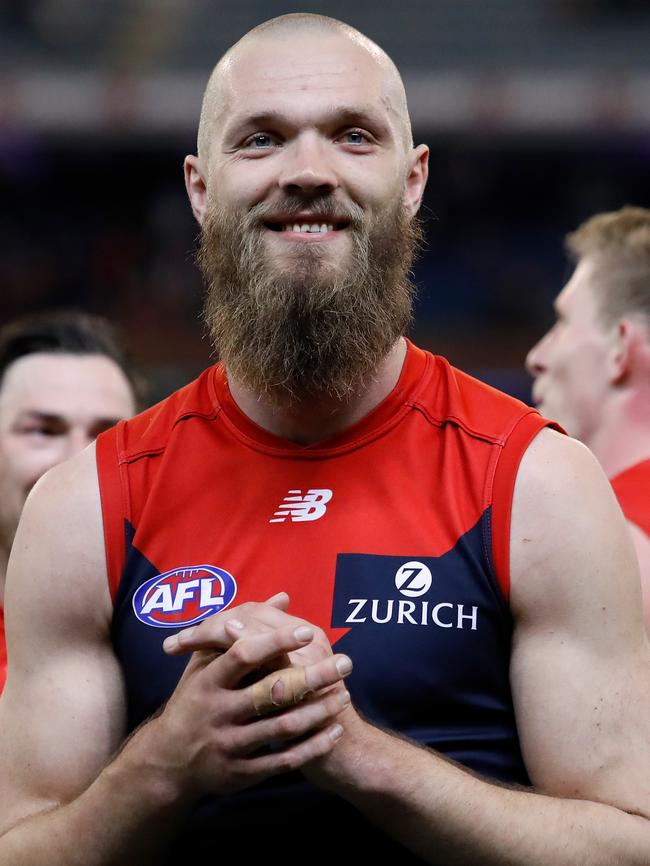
625,346
416,179
196,186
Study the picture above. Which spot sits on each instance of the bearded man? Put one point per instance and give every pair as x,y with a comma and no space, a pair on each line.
435,532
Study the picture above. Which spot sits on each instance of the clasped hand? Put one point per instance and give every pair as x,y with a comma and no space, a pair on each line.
261,695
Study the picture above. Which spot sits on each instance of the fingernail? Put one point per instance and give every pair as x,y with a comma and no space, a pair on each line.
170,643
335,732
344,698
235,623
303,633
344,665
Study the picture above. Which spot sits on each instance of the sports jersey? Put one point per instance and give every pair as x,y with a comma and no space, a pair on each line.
632,489
392,536
3,651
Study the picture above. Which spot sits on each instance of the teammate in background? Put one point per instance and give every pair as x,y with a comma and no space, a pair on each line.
63,380
470,561
592,369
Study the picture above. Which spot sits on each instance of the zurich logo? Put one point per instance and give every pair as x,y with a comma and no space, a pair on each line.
413,579
184,596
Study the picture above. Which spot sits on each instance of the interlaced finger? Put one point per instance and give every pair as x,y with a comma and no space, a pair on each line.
252,652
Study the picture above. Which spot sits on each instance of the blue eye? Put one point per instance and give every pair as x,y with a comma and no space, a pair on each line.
260,140
354,136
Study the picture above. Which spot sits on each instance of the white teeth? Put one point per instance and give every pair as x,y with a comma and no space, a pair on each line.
308,228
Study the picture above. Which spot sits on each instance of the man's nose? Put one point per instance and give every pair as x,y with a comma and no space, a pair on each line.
308,167
535,358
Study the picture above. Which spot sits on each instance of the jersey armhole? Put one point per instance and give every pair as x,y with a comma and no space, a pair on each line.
113,505
503,487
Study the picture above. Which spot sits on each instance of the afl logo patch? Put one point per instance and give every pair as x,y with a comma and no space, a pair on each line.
184,596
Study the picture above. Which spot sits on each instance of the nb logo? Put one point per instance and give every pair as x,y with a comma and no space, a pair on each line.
299,508
413,579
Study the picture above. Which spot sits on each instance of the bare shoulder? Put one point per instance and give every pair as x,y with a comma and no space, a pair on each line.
62,711
566,523
580,665
58,554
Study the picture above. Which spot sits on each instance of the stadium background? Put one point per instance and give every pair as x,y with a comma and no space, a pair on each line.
537,113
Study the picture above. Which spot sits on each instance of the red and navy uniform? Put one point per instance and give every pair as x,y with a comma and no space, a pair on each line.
632,489
391,535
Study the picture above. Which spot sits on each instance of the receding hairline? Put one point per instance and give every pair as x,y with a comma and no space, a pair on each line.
291,23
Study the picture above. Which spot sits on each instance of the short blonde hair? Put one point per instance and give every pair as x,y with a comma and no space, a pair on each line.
618,242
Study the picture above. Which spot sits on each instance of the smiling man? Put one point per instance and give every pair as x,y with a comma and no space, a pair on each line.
327,486
63,381
592,368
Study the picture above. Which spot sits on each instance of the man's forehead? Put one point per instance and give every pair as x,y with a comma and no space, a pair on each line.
578,296
59,384
274,68
332,64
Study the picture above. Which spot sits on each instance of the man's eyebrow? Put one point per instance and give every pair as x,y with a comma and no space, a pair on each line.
38,415
339,115
105,422
54,418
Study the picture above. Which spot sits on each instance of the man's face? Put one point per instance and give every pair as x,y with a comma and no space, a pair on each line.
306,117
570,363
309,200
51,407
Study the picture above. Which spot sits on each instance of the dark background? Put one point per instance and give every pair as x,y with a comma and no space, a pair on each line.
537,113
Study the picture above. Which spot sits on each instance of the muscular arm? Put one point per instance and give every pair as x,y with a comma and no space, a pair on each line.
62,713
580,678
63,800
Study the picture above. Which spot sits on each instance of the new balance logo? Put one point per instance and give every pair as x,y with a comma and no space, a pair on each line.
298,508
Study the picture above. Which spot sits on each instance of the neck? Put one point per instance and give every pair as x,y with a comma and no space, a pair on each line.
622,439
319,417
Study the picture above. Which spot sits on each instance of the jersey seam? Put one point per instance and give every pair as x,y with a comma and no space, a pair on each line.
131,456
454,419
491,473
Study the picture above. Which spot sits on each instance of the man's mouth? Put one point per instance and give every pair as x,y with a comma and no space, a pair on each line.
303,227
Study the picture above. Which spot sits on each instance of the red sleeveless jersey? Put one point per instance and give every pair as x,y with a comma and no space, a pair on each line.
392,536
632,489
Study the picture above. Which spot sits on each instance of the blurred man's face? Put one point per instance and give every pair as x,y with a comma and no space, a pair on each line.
51,407
570,362
307,241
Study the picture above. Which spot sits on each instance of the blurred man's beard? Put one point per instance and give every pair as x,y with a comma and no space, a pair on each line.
303,324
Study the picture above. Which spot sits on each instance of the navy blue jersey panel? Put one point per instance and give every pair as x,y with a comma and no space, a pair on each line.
150,675
430,640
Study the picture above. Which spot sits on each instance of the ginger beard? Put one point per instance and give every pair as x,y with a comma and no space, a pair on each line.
306,326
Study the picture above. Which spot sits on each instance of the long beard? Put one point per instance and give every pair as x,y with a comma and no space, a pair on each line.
307,327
